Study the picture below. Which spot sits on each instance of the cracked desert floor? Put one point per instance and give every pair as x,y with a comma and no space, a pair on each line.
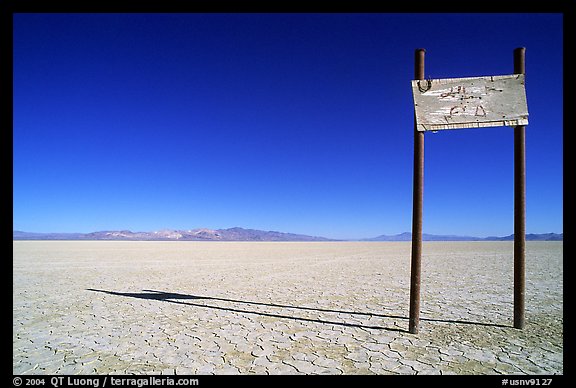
95,307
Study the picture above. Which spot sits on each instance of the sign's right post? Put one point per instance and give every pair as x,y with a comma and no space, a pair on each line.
519,206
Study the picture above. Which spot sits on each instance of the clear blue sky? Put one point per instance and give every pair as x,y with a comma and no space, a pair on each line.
300,123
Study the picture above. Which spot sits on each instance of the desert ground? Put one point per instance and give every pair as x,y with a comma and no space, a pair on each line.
96,307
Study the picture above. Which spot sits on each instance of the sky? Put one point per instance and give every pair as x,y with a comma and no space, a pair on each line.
297,123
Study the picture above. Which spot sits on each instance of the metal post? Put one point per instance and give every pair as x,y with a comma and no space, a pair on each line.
519,206
417,198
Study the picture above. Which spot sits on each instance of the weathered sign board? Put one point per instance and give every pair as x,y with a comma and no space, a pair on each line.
473,102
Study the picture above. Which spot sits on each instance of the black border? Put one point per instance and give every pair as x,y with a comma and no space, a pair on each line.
566,7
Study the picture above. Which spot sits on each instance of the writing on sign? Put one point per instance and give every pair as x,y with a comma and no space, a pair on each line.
473,102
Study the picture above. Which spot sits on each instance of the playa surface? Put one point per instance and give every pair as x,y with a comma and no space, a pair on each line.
83,307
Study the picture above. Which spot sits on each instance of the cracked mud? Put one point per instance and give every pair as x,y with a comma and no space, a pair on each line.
281,308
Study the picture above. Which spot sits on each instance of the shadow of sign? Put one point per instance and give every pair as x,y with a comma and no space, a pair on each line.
188,300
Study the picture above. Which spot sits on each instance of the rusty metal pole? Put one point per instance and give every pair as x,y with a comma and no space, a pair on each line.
417,203
519,206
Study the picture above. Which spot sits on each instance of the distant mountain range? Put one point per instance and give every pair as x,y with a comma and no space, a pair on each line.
232,234
241,234
407,236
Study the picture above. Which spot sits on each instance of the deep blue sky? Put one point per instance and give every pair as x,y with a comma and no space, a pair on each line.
293,122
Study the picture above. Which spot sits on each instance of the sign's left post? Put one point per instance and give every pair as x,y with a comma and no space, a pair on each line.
417,204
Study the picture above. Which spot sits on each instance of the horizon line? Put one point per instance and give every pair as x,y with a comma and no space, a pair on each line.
406,233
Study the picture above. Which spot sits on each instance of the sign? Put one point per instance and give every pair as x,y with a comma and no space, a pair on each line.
474,102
